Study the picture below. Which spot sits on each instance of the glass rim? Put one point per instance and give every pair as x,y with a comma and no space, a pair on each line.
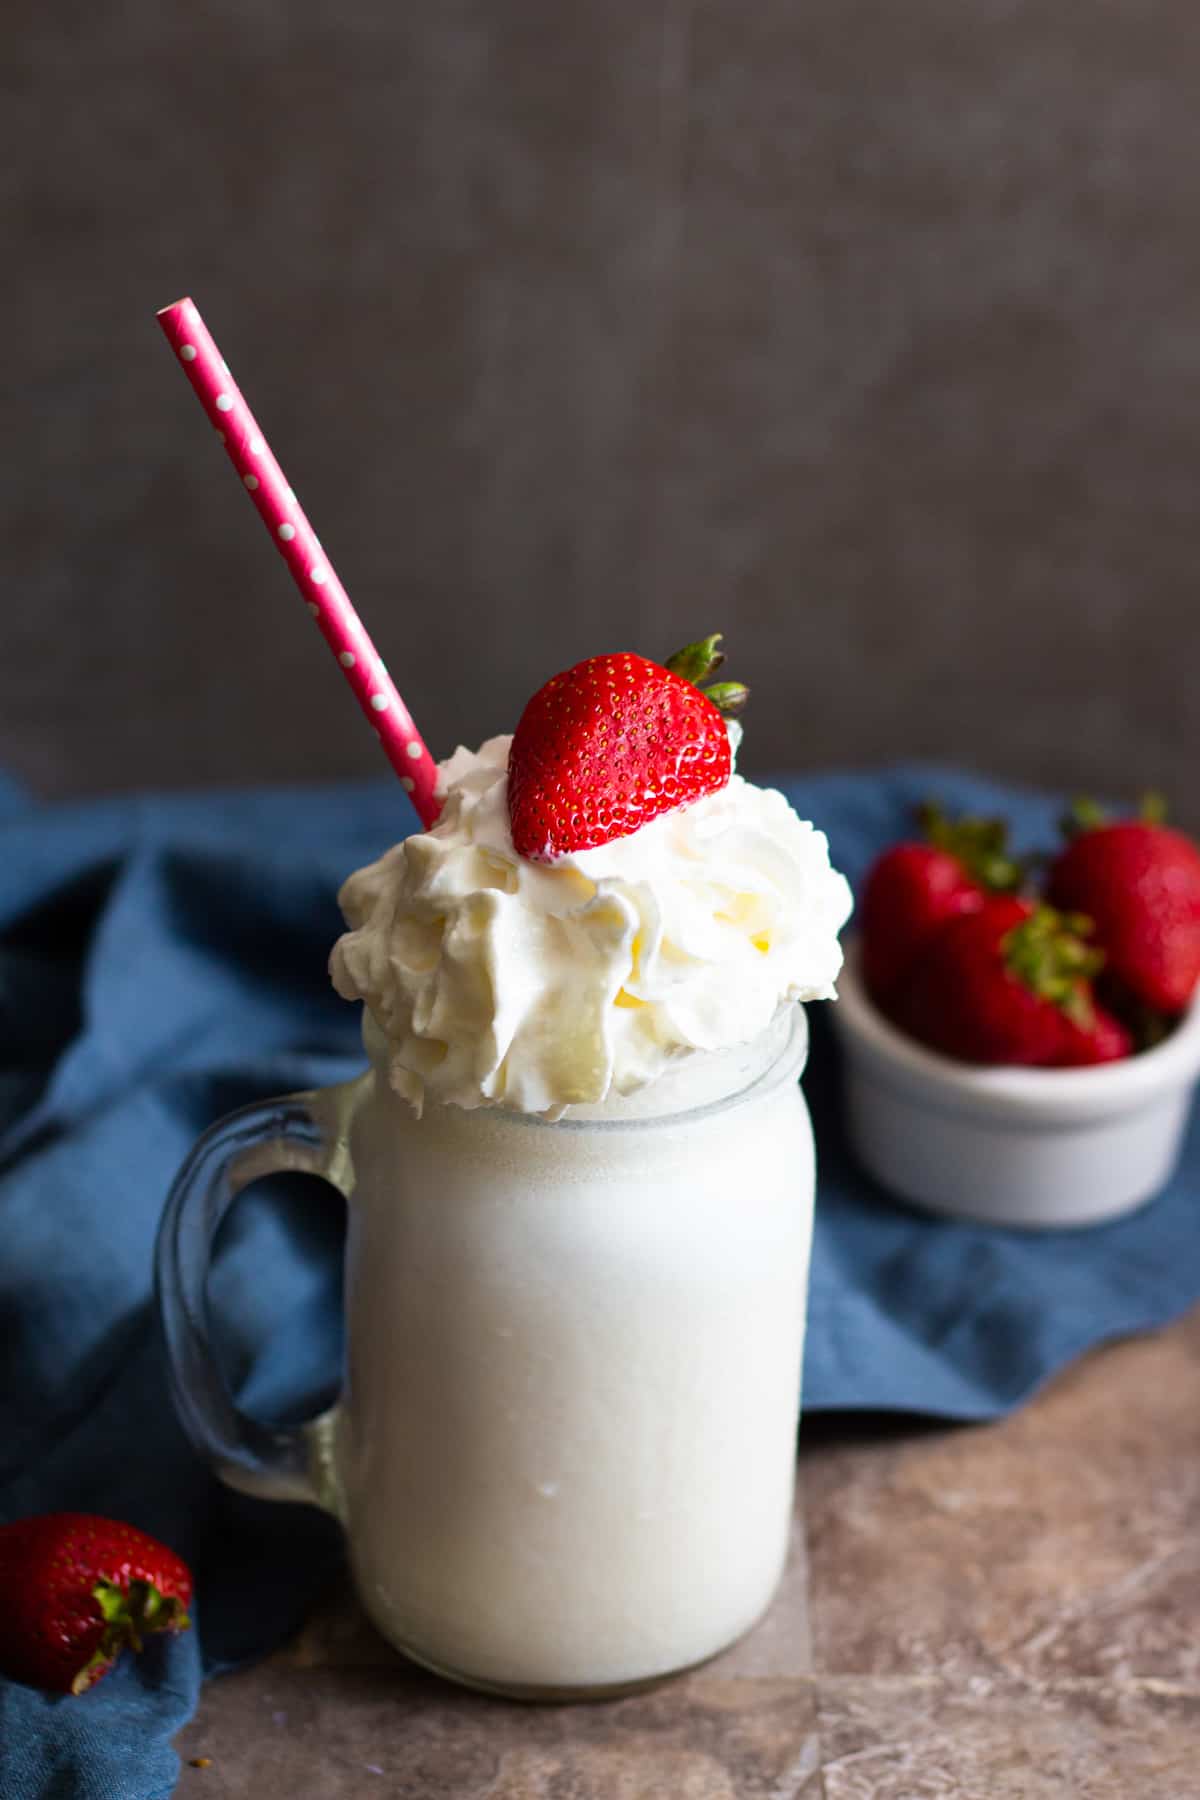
787,1063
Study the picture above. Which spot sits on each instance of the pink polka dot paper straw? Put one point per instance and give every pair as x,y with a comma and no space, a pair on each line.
297,543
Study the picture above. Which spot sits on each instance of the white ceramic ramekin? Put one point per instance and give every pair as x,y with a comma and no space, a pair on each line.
1038,1148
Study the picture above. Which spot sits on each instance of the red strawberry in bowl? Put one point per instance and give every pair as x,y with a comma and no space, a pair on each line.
1100,1037
79,1588
1010,983
614,742
1139,881
915,887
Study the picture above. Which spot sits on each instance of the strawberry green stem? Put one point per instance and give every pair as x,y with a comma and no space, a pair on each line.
729,697
130,1615
1047,954
696,662
1085,814
980,845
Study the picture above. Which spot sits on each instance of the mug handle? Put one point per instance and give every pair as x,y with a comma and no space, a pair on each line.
308,1132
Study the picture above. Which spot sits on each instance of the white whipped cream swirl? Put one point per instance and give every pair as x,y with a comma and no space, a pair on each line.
537,986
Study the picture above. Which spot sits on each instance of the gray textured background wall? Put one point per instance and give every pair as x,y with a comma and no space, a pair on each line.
868,333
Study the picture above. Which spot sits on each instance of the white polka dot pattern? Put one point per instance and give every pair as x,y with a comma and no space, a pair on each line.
275,501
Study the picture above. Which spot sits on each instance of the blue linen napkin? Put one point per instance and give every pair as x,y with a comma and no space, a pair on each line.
162,960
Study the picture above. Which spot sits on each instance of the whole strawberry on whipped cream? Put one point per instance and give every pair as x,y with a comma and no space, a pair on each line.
600,897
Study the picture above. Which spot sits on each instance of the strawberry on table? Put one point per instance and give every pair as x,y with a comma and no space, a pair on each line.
1010,983
1139,881
913,888
612,743
79,1588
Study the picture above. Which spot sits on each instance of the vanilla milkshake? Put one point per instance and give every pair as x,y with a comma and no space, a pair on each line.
579,1176
580,1231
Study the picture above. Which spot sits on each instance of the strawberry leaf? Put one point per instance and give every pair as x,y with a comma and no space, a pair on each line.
729,697
696,662
980,845
1083,814
1048,954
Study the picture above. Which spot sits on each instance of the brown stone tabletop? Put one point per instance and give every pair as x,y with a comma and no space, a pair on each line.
991,1612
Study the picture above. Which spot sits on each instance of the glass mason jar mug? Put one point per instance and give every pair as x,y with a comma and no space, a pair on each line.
565,1450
